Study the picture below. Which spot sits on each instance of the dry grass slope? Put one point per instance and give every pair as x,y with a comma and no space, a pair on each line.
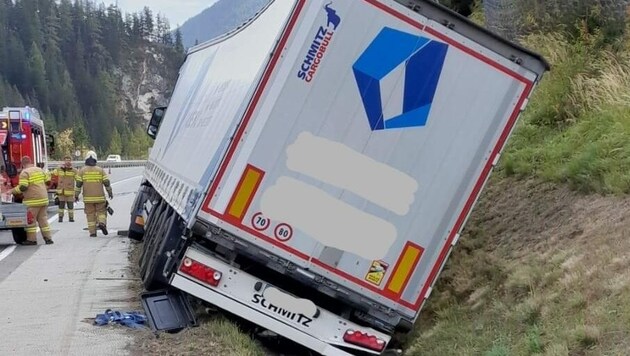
541,270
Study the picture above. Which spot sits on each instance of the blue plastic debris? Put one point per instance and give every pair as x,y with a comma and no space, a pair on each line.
131,319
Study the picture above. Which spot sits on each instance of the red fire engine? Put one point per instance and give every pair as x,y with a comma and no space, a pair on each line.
22,134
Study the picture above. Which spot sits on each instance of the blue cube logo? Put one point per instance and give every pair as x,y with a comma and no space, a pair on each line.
423,60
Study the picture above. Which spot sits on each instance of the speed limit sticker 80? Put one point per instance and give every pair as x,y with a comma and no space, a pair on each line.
283,232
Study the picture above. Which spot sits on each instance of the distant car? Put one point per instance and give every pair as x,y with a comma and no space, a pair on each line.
113,158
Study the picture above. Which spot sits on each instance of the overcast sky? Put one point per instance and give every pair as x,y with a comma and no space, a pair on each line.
176,11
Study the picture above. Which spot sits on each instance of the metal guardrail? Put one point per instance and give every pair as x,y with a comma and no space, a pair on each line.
104,164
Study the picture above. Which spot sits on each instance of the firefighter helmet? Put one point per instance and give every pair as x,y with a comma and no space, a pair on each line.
91,154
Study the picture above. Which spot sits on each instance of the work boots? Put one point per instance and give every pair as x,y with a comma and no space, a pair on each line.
33,243
103,228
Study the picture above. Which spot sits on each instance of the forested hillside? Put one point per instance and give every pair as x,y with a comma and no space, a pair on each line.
93,72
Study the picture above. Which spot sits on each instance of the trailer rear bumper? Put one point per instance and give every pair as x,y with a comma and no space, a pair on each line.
245,295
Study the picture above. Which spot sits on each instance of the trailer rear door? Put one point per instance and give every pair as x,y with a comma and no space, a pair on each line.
364,150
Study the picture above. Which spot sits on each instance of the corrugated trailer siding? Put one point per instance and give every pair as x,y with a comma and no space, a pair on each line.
439,166
213,89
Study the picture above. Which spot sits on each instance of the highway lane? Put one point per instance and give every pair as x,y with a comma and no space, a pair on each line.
48,291
117,175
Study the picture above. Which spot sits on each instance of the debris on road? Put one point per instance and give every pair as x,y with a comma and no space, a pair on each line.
131,319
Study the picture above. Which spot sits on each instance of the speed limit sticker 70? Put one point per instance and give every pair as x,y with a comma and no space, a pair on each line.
283,232
260,222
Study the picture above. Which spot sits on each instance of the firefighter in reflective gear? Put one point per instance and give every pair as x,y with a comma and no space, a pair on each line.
65,188
32,186
91,179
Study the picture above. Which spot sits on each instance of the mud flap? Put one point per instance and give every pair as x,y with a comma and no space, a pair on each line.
168,310
137,223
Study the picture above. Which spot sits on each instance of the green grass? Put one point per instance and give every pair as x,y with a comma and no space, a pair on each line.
576,129
592,155
214,336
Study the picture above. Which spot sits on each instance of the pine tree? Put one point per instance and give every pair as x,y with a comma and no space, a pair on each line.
179,41
115,145
37,81
167,38
147,24
136,28
16,67
4,35
79,135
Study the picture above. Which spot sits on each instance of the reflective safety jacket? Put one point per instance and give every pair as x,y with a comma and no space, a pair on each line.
92,179
65,177
32,185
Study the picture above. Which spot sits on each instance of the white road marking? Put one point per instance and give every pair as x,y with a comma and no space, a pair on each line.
127,179
6,252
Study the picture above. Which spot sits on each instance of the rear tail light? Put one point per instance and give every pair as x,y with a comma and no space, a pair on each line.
201,272
364,340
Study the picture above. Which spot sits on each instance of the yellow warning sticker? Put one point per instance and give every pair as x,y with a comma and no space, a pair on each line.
377,272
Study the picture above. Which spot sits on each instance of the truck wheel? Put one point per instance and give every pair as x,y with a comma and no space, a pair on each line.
166,240
19,235
156,232
149,241
151,247
152,224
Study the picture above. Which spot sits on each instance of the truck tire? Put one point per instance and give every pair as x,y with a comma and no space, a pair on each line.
167,239
153,236
19,235
152,224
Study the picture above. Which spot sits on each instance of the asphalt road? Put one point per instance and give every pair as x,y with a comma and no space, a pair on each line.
47,292
117,175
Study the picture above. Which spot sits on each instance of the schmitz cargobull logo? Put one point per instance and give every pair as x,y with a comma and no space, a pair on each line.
298,318
319,45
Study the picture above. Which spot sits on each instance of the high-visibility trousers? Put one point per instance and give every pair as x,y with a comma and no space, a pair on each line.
40,217
96,213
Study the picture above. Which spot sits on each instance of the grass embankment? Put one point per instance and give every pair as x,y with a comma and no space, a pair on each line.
577,128
544,265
